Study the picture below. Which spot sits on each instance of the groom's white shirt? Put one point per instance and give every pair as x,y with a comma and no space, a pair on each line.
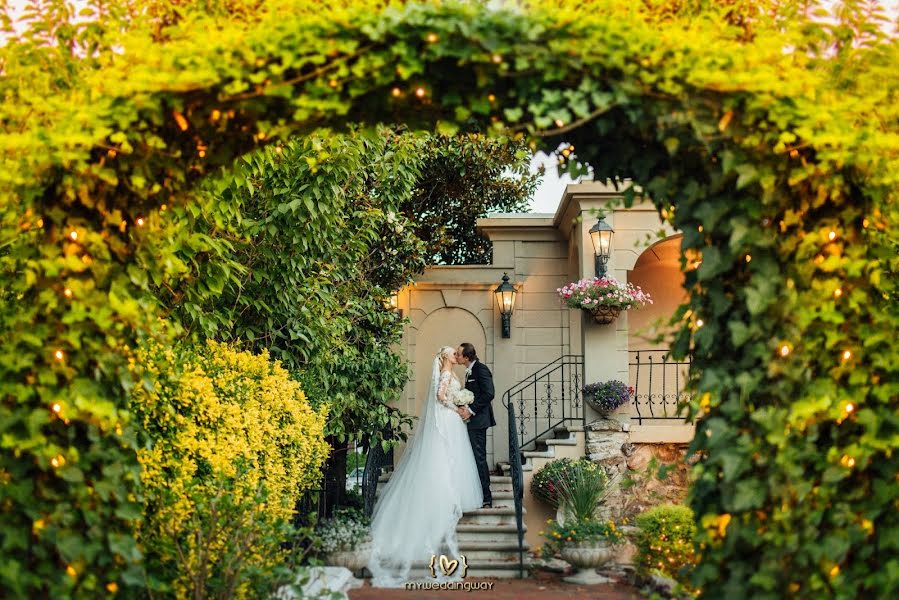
467,375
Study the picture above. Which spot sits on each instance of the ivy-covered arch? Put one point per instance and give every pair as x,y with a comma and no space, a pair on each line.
778,163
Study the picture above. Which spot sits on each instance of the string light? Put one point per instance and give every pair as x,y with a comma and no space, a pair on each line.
67,293
260,135
748,258
111,153
699,229
491,98
838,292
71,571
112,587
56,407
181,121
163,208
216,114
140,221
396,92
333,83
74,235
847,461
560,123
784,350
700,322
432,38
420,92
58,461
496,58
40,222
123,225
865,223
59,355
832,235
849,407
847,354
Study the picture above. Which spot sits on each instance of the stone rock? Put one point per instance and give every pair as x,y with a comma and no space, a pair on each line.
628,449
604,424
640,457
552,564
316,581
663,585
607,445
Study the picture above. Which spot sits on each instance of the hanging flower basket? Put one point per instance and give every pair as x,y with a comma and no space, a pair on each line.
604,314
603,297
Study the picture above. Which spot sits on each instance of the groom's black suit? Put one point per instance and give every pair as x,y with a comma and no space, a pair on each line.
480,383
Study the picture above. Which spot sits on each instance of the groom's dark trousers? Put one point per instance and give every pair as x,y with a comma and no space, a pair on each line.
480,383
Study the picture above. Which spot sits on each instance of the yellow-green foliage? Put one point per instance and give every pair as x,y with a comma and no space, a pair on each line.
205,412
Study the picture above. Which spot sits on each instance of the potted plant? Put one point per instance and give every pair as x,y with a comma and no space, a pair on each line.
344,539
546,484
603,297
607,396
586,544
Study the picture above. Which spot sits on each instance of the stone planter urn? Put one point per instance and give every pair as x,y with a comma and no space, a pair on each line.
586,557
353,559
604,315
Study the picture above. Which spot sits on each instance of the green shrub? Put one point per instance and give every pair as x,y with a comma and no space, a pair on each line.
230,444
665,542
546,484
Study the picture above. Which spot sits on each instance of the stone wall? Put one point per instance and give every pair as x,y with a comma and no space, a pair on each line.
635,486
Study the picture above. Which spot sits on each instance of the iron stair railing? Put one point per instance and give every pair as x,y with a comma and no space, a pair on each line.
551,397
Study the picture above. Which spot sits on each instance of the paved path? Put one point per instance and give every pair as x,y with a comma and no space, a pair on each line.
506,589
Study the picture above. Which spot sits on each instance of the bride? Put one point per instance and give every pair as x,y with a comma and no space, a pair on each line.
435,481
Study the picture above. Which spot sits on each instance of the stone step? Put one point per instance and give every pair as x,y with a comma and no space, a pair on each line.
571,440
481,551
498,515
468,532
506,467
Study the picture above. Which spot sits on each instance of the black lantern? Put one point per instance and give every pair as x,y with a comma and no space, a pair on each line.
505,298
601,234
393,303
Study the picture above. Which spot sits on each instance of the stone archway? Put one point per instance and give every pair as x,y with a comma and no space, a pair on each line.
657,271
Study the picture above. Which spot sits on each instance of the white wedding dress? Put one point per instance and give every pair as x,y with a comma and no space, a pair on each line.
435,481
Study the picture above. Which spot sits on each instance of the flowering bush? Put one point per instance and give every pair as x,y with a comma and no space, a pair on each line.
665,542
344,531
608,395
546,484
603,291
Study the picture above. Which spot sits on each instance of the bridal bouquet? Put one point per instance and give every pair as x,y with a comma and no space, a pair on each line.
463,398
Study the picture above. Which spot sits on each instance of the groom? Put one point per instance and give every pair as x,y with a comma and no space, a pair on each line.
479,381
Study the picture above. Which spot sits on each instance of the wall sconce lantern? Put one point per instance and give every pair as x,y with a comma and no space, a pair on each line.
505,298
601,234
393,303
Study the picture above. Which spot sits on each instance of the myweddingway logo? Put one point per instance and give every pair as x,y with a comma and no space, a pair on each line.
448,567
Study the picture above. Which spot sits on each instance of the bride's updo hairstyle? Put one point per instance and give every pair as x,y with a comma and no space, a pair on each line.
443,353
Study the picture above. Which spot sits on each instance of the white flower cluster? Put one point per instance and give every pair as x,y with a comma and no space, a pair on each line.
341,533
463,398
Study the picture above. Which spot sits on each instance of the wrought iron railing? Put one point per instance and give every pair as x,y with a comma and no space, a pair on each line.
517,485
659,384
547,399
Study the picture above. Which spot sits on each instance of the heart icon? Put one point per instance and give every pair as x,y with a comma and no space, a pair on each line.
448,566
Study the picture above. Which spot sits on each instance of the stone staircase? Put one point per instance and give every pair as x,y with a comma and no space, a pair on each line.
488,537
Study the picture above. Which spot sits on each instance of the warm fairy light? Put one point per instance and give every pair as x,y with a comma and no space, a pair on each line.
216,114
835,571
699,229
181,121
560,123
279,149
71,571
847,461
111,153
496,58
819,259
748,258
86,259
832,235
491,97
420,92
73,234
67,293
849,407
847,354
201,153
56,407
140,221
59,355
333,83
865,223
122,226
784,350
396,92
58,461
432,38
112,587
838,292
700,322
164,207
40,222
260,135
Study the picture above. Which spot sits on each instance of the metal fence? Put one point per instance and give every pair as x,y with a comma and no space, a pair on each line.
659,384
